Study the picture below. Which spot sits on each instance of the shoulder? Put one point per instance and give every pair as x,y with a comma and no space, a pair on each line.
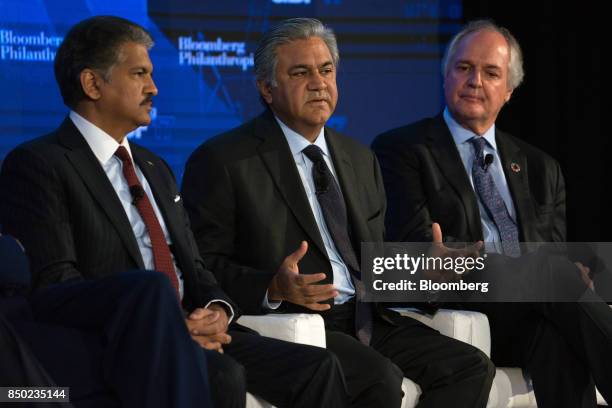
350,145
229,145
404,136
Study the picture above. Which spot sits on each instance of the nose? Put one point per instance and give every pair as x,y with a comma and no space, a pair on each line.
475,78
151,88
316,81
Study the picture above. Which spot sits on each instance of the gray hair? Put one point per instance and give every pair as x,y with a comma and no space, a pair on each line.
283,33
515,65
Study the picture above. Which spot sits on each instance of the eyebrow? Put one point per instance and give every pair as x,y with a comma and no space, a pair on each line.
305,66
488,66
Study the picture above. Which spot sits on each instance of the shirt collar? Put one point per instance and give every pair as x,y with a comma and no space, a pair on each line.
101,143
297,142
462,135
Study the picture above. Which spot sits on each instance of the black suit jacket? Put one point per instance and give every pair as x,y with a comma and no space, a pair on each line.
57,200
426,182
249,209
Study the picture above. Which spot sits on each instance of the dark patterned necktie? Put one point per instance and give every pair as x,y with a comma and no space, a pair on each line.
161,252
493,202
335,215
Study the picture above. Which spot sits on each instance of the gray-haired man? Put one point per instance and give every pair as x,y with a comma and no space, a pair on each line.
279,207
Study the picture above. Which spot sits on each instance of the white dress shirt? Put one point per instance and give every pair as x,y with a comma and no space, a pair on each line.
104,147
297,143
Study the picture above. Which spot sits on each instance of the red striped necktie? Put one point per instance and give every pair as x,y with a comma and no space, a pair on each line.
161,252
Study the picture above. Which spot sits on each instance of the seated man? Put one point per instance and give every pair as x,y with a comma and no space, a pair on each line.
98,339
481,184
87,204
280,206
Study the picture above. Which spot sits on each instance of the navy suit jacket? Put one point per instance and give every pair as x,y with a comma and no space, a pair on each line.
57,200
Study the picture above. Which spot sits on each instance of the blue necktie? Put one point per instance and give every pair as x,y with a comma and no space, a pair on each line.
492,200
334,212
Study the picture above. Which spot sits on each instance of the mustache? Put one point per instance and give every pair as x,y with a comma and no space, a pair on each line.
322,97
147,100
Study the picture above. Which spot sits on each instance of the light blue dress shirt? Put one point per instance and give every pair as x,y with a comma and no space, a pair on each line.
462,137
297,143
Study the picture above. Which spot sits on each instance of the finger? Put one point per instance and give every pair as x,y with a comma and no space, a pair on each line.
309,279
436,232
311,290
222,338
318,307
212,345
321,297
200,313
296,256
208,330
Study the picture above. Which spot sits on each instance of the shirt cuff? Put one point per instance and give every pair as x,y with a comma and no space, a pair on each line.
227,305
266,304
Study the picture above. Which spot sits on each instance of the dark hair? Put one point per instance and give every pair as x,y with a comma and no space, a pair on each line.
93,43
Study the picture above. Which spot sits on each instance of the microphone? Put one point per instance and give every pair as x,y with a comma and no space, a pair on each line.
137,193
487,161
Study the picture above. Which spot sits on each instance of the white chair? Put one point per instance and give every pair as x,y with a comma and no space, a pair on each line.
511,388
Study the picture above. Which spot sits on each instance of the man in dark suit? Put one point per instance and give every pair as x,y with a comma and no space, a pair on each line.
88,204
481,184
279,207
45,343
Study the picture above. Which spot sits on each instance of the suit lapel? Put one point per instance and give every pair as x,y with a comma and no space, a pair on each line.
514,163
442,146
164,198
86,165
349,184
276,155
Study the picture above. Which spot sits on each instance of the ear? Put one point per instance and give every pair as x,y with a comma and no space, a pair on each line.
508,95
265,90
91,82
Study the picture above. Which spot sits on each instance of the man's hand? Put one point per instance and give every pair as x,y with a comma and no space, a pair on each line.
289,285
208,327
439,250
585,274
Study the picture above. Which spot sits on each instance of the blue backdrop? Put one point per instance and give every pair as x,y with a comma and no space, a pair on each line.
389,63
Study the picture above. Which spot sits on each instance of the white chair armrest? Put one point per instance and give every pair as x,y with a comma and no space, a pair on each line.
470,327
297,328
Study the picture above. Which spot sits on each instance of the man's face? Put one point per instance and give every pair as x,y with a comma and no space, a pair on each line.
476,82
306,94
126,98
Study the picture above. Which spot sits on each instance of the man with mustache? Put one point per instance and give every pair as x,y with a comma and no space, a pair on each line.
481,184
279,207
88,203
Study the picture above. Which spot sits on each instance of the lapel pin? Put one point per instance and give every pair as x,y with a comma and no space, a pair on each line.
177,198
149,163
515,167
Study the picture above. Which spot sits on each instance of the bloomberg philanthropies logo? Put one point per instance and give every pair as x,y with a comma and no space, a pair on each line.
217,53
39,47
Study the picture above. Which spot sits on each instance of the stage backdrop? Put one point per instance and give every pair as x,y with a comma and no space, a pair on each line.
389,63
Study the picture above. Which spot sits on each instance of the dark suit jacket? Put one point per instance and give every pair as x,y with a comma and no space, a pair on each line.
426,182
57,200
249,209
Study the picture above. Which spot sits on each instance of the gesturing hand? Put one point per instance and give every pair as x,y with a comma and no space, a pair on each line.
289,285
438,249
